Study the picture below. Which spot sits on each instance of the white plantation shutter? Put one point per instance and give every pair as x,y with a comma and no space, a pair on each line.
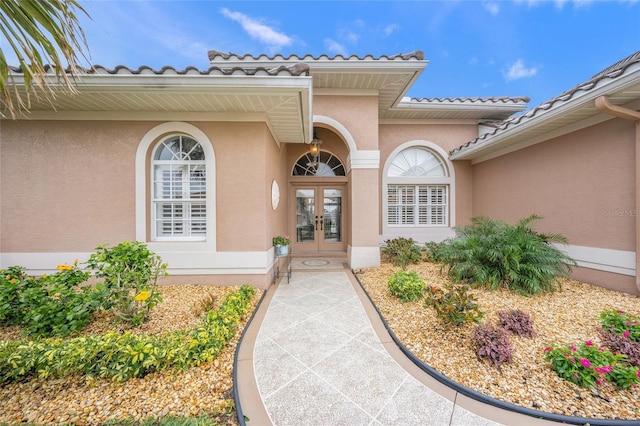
179,190
412,200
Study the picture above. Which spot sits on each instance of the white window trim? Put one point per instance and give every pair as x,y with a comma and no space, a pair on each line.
142,175
420,233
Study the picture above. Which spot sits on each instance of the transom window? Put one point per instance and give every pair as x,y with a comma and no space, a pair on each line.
325,165
417,189
179,195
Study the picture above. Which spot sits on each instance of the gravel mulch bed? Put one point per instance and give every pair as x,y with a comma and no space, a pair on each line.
564,317
569,316
207,388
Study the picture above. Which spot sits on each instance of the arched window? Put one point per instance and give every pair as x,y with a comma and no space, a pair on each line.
417,189
326,165
179,196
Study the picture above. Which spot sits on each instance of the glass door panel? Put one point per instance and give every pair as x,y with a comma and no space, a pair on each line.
305,215
332,215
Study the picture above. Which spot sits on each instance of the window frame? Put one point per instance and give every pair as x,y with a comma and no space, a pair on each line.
143,187
420,232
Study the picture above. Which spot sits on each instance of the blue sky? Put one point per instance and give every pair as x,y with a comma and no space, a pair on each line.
475,48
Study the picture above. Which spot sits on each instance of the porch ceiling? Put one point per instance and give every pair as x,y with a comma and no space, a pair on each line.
282,100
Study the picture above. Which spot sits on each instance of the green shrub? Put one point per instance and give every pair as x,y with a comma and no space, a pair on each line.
401,252
590,366
492,253
51,305
122,356
620,322
407,286
12,284
454,305
130,271
431,251
492,344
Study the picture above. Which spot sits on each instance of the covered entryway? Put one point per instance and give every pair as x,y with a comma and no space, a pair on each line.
318,210
320,218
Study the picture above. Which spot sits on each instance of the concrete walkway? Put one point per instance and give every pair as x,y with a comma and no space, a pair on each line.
317,354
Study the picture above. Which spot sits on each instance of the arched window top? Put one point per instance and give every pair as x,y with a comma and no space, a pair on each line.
326,165
418,162
179,148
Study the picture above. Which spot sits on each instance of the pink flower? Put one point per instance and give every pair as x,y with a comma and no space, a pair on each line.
599,382
607,369
621,311
612,326
585,362
575,375
572,359
573,348
626,333
638,374
588,343
601,349
547,349
628,324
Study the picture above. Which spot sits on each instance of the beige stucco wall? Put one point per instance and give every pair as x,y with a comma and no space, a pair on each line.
576,182
583,185
67,186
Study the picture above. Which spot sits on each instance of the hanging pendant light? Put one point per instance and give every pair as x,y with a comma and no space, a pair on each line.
314,147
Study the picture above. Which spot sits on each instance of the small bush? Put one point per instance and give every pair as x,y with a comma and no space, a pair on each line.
130,271
407,286
493,344
516,322
590,366
401,252
51,305
492,253
204,305
454,305
431,251
619,343
620,322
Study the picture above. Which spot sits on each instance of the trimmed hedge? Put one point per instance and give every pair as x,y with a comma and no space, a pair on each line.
122,356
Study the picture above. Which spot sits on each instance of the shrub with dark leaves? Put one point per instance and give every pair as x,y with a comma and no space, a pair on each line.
622,344
516,322
493,344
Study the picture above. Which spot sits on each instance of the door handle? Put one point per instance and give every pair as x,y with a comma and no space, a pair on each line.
316,227
322,223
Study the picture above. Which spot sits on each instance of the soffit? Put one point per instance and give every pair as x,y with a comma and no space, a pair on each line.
281,96
492,108
389,76
571,111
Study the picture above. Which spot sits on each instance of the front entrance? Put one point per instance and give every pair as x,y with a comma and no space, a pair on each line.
319,212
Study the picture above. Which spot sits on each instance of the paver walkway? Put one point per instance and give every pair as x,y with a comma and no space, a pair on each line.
317,359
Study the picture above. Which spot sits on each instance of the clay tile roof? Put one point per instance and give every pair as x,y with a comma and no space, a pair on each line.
495,100
297,69
215,54
612,72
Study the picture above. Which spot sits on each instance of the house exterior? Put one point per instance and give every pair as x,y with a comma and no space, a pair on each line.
207,166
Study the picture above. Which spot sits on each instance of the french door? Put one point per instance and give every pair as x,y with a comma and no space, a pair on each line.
319,212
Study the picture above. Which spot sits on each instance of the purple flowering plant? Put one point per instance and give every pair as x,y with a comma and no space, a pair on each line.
590,366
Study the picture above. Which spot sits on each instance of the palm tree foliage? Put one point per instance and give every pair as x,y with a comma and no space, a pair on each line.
41,33
493,253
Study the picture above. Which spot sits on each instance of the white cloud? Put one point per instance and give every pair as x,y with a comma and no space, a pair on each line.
491,7
257,30
390,29
518,70
335,47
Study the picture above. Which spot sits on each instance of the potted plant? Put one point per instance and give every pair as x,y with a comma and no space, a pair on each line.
281,242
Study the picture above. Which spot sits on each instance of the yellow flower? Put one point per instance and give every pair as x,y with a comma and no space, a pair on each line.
8,277
142,296
65,267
